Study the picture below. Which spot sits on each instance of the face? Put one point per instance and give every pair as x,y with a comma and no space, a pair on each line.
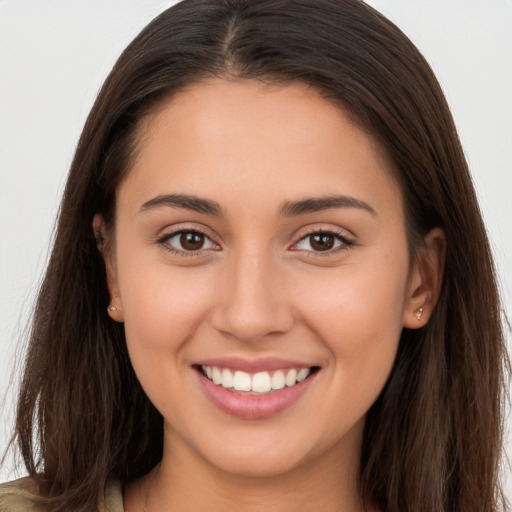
261,268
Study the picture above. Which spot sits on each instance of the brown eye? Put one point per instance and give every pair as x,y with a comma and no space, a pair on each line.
192,241
187,241
322,242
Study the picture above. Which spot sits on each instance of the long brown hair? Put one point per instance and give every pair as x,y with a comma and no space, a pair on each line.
432,441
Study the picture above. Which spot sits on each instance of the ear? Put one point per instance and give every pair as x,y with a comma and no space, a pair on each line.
115,308
425,280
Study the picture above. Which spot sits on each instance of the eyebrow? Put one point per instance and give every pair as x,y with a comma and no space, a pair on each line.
311,205
185,201
288,209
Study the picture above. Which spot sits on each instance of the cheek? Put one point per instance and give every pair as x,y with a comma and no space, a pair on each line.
358,313
356,299
163,305
163,309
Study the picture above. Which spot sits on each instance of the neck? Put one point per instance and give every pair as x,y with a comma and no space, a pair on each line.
185,482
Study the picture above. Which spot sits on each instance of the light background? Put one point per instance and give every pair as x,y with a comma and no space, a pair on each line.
54,55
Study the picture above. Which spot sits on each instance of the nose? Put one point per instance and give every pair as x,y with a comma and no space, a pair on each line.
253,302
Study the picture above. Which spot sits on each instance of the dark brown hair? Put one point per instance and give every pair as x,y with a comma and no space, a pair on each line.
432,441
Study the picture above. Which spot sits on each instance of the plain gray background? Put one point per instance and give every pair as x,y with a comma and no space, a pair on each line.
54,55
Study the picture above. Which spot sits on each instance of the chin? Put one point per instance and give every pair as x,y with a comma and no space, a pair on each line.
266,455
266,466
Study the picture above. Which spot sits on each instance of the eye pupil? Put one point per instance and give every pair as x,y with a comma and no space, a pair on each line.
192,241
322,242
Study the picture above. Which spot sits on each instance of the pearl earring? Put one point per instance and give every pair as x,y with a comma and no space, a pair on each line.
419,312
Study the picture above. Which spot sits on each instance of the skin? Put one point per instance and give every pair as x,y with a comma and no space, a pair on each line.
260,288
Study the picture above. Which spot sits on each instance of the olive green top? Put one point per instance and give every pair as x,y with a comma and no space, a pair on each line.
17,496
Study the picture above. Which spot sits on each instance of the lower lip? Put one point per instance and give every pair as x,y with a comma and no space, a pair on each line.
254,406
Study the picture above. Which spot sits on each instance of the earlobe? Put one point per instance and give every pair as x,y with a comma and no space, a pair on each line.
114,312
419,312
114,309
426,280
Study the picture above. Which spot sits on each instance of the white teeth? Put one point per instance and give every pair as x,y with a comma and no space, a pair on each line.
291,378
227,378
278,380
303,374
242,381
216,375
260,382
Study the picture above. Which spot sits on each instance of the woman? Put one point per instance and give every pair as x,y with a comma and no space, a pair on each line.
270,285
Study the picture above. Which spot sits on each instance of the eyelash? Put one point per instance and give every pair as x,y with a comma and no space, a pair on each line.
163,242
345,242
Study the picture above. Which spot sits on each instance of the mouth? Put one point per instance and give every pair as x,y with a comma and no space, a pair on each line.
257,394
258,383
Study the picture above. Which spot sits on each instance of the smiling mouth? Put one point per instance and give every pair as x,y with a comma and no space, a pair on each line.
256,384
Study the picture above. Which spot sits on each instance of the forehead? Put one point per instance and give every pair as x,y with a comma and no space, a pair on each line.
276,142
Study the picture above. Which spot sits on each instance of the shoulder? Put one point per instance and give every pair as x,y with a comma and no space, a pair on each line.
113,500
20,496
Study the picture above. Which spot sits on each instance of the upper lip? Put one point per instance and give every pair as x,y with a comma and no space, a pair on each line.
263,364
